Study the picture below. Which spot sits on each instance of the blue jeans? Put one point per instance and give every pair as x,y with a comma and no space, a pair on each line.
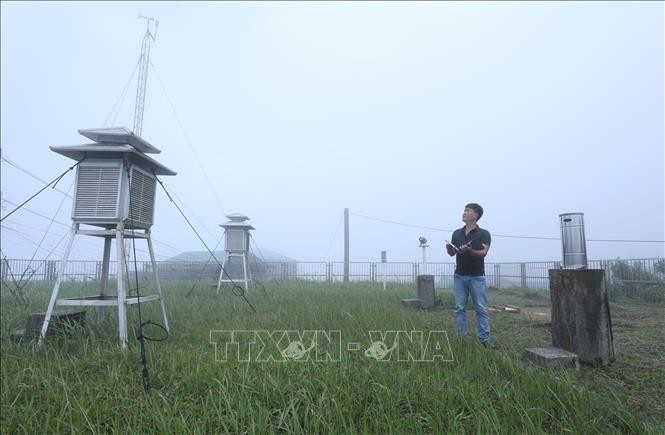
476,287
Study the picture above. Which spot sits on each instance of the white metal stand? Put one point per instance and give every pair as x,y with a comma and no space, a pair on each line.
246,271
103,300
424,272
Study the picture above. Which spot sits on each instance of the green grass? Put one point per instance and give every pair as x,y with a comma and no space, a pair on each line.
85,382
637,376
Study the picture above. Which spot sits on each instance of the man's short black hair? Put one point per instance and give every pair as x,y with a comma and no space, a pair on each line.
475,207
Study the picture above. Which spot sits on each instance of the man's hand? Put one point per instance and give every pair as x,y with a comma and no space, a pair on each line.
481,253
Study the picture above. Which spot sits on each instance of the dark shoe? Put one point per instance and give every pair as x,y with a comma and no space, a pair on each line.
487,344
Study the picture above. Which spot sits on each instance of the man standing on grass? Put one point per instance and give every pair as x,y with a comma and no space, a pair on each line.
471,243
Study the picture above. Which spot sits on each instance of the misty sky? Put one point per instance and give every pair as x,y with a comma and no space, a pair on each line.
291,111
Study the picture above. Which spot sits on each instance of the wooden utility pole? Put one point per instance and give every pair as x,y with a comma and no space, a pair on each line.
346,245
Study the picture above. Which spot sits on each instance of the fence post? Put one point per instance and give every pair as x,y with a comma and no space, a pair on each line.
328,272
415,272
372,272
3,269
51,270
346,245
523,275
608,272
497,275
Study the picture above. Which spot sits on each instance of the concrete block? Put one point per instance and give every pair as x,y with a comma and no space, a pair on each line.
551,357
425,285
61,321
411,303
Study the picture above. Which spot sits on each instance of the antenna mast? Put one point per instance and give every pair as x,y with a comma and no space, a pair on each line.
144,61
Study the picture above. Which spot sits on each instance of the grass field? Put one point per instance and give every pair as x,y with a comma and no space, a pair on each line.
85,382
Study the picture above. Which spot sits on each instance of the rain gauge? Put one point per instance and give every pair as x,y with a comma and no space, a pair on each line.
573,241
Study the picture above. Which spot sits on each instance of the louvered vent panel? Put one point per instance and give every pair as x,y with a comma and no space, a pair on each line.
235,240
142,199
97,192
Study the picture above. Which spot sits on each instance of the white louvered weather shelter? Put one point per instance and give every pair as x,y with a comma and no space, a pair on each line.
115,199
236,245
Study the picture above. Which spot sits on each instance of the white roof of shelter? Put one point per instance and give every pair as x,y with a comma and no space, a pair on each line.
115,142
237,221
237,217
121,135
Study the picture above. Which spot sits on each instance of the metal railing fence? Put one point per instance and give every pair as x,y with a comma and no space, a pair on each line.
526,275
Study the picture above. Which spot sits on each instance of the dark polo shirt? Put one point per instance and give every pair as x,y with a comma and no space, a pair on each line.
468,264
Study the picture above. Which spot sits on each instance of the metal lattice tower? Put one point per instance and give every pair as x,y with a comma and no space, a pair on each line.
144,62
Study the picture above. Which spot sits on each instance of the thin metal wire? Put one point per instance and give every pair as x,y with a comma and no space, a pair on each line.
54,182
237,290
122,96
200,274
503,235
187,141
339,223
39,245
25,171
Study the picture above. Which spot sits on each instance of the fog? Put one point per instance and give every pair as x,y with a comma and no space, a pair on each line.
401,112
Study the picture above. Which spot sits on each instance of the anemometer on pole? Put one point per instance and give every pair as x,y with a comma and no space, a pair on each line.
424,246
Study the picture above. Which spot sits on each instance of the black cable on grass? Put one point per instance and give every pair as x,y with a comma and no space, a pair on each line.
141,337
54,182
236,289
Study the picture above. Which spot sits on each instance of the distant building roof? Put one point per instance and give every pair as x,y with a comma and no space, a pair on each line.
265,255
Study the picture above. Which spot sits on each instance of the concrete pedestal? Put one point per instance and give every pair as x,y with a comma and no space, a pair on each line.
426,291
581,315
